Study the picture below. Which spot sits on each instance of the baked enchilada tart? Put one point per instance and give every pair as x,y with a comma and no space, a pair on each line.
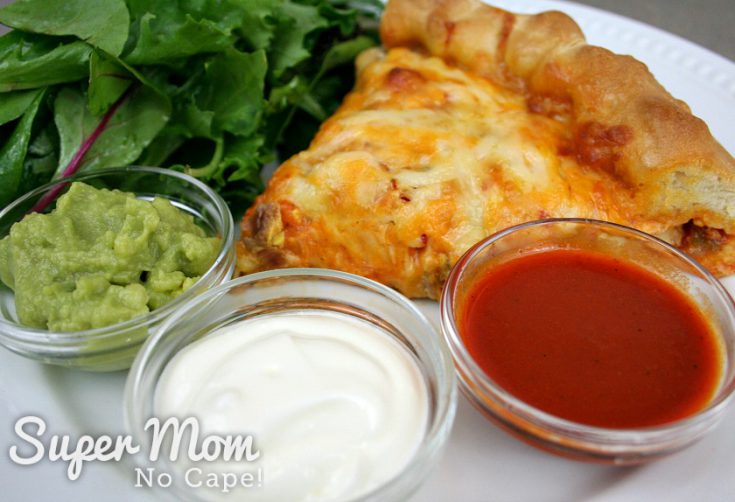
471,119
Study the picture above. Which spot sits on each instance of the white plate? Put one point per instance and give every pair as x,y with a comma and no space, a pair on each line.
481,462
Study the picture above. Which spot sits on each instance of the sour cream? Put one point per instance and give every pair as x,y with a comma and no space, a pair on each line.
335,405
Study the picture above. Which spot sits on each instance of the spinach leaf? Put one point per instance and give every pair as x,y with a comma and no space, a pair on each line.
240,172
101,23
192,121
226,95
290,45
29,61
165,32
243,158
107,82
134,125
42,157
14,104
257,23
233,90
13,153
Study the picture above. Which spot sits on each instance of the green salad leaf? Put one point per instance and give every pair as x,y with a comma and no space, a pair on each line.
108,80
168,32
13,153
42,156
31,61
291,43
134,125
230,90
101,23
14,104
215,88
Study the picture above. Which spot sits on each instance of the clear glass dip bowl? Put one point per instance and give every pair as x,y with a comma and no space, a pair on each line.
114,347
301,291
564,437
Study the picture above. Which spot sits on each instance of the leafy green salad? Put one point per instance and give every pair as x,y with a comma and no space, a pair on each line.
211,87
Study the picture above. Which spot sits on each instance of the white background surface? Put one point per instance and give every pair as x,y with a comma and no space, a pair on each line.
481,463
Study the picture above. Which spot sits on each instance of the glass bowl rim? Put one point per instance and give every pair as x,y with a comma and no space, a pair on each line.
609,436
437,432
26,334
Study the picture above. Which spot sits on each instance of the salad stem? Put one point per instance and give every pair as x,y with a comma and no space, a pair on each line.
76,161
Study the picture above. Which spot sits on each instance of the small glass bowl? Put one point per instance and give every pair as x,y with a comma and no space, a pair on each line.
564,437
114,347
303,291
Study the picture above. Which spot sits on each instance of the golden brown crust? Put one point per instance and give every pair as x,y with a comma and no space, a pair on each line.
624,120
478,37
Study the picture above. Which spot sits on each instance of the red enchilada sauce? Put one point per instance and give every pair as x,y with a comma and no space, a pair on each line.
591,339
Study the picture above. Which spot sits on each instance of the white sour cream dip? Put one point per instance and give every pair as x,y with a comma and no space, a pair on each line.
335,405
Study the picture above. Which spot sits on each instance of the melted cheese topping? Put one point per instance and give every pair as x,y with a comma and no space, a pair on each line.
422,161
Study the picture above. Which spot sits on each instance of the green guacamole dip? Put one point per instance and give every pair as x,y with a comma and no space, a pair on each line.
101,257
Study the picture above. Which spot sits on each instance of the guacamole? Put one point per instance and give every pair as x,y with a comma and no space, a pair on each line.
101,257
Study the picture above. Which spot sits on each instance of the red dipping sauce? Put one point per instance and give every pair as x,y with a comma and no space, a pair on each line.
591,339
